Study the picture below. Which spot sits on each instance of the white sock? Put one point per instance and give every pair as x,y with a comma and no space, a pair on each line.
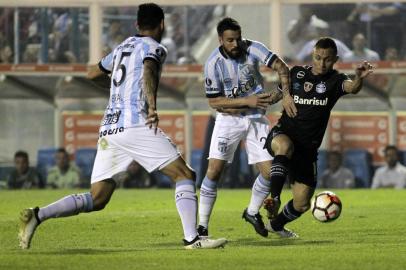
186,203
208,195
260,190
67,206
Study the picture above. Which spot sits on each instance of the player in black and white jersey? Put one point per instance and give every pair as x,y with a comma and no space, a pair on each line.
294,141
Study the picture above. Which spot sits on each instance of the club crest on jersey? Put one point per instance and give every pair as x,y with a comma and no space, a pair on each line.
307,86
321,88
300,75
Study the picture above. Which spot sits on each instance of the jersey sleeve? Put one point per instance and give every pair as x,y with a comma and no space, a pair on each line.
155,51
106,64
260,52
212,81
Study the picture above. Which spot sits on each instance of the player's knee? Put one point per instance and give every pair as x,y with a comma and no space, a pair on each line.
283,146
213,173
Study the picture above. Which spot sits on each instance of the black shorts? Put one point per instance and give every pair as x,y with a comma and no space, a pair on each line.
303,164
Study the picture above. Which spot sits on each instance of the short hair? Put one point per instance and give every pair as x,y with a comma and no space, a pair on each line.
326,43
61,150
227,24
390,147
149,16
335,153
21,154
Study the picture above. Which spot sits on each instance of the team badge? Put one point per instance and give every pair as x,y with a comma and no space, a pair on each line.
307,86
321,88
300,75
222,146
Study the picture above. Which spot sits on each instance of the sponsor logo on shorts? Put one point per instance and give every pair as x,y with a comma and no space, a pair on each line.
208,82
111,131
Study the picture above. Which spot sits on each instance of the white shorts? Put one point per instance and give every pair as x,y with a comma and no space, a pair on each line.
115,152
229,130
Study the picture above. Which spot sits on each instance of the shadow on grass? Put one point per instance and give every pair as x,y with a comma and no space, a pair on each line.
278,242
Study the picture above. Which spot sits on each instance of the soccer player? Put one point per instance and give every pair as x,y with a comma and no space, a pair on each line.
294,141
234,88
129,131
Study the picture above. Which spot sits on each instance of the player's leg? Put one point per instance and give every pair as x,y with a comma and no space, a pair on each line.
300,203
186,203
259,128
281,148
94,200
227,134
70,205
303,178
208,193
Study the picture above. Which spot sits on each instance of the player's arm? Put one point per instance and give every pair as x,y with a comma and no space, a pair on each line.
283,71
260,101
98,76
150,87
355,85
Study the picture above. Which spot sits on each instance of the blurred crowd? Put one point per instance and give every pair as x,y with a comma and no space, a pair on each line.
66,174
370,31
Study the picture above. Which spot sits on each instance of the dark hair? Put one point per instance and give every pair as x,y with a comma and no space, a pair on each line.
21,154
61,150
390,147
326,43
227,24
335,153
149,16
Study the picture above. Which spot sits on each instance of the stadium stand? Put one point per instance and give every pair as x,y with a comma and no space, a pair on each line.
84,158
45,160
359,161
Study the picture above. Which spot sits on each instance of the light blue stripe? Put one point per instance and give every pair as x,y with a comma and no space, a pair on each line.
208,183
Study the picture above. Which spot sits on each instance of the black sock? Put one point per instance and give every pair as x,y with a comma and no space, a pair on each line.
288,214
279,171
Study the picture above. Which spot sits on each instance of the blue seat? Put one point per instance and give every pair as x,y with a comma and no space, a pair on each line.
321,163
359,161
45,160
84,158
402,157
195,162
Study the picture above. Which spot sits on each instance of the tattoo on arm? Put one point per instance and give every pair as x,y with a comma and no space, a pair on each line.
283,72
276,95
151,81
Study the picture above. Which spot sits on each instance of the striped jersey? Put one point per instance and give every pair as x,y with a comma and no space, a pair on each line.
127,105
235,78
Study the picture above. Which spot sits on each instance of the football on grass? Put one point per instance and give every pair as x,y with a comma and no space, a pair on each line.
326,206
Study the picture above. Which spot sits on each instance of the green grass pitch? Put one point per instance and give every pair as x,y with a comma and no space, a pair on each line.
140,229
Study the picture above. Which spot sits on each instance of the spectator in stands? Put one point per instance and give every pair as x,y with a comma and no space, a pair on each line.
305,28
63,174
135,177
23,176
360,52
393,174
391,54
304,55
6,54
385,20
113,36
336,176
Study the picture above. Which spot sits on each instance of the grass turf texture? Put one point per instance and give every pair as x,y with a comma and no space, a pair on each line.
140,229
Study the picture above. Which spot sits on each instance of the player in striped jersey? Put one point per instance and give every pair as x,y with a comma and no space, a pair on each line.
234,88
129,131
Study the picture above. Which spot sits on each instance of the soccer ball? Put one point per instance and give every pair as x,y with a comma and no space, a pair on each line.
326,206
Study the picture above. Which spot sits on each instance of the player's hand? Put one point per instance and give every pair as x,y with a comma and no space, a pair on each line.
152,120
289,105
260,101
363,70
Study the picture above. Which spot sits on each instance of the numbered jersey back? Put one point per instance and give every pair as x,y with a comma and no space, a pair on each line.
125,63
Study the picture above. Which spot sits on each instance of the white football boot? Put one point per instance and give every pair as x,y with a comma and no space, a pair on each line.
199,243
28,223
284,233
